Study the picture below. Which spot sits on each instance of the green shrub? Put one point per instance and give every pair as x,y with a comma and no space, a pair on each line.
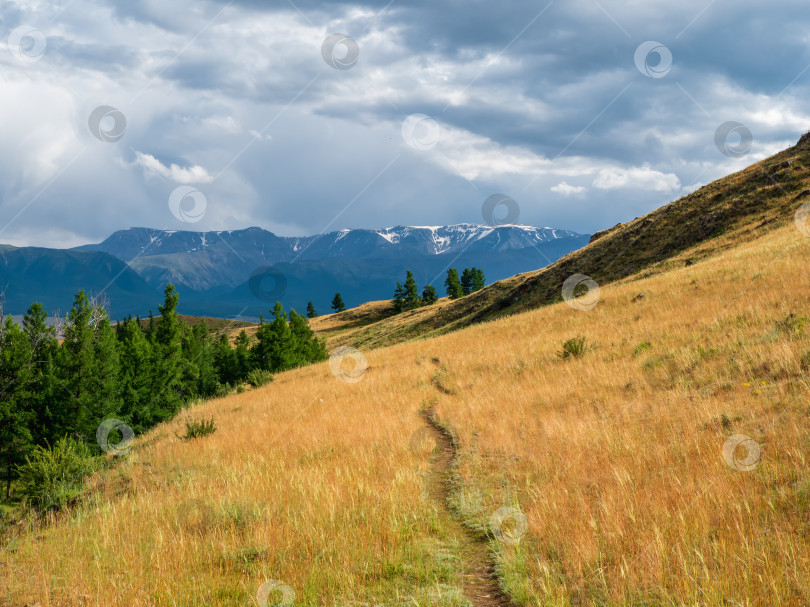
53,477
792,324
196,429
574,347
257,378
641,348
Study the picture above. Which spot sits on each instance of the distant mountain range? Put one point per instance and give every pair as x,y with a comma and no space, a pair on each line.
242,272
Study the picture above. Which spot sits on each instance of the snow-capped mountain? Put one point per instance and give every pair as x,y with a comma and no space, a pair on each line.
134,243
362,264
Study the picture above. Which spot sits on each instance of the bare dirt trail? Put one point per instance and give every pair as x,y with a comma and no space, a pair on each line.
480,585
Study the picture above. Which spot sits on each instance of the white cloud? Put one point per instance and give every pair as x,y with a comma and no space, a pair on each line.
639,178
566,189
178,174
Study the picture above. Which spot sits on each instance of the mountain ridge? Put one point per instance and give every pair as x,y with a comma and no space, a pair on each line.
212,270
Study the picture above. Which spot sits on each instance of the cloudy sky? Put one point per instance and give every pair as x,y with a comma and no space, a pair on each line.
223,115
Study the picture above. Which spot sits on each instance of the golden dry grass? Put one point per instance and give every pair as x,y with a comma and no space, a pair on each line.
615,457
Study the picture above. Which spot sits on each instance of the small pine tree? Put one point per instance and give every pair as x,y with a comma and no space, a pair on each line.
453,284
45,348
412,299
311,313
429,295
466,281
337,303
478,280
399,299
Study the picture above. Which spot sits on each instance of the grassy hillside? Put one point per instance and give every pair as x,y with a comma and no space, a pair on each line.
620,456
734,209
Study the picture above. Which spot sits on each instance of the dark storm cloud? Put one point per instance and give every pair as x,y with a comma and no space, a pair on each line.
542,101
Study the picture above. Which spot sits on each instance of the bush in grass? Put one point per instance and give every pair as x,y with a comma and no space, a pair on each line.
257,378
574,348
53,477
196,429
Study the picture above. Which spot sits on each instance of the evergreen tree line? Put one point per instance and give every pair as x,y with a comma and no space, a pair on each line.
140,375
406,297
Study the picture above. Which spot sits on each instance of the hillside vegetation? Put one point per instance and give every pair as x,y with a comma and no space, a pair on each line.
648,448
724,213
614,453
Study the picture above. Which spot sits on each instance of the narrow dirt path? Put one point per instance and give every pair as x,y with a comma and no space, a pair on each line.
480,586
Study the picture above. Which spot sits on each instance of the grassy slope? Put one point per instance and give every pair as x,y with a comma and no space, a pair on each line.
615,458
728,211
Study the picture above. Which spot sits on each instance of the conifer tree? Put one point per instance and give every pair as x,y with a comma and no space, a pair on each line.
412,299
167,361
15,416
337,303
225,361
44,349
311,313
242,355
466,281
103,382
307,348
137,374
73,402
452,284
399,299
429,295
478,281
